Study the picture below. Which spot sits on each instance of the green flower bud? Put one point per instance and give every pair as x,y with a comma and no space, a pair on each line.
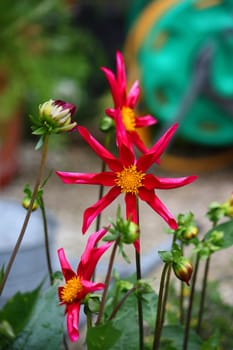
191,232
228,205
106,124
183,269
26,202
131,233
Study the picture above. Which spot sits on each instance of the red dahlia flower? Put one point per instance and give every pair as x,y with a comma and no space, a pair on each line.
126,102
127,175
78,284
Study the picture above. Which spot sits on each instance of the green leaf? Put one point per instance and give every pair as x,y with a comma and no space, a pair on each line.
227,228
213,343
166,256
18,309
175,335
45,327
102,337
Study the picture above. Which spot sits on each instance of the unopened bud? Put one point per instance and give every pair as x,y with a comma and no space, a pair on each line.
26,202
106,124
54,117
191,232
131,233
183,269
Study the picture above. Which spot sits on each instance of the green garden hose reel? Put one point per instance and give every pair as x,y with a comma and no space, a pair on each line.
182,51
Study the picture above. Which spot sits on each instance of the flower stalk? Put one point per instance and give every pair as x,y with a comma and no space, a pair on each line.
46,238
190,306
107,281
161,306
29,211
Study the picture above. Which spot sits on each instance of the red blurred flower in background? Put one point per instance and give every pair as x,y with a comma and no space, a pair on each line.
126,102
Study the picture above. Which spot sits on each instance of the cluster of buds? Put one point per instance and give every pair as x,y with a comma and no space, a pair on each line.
125,231
216,210
210,244
55,116
187,228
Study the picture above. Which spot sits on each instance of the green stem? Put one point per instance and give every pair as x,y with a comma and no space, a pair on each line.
139,300
203,294
89,319
107,281
118,306
181,299
165,295
190,306
181,302
160,306
27,217
46,237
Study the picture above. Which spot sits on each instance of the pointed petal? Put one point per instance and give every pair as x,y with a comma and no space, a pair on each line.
126,153
104,178
152,182
90,287
154,153
92,212
67,271
146,120
72,321
132,214
92,254
121,75
133,95
101,151
131,207
150,198
159,147
113,84
136,140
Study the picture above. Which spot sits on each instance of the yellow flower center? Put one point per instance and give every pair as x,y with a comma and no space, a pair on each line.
71,290
128,118
129,179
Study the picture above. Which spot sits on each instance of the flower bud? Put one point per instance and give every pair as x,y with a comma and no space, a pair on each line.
106,124
130,234
191,232
229,206
54,117
26,202
183,269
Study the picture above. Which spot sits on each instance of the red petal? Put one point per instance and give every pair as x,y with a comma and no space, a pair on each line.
150,198
92,212
65,265
104,178
152,182
154,153
131,207
72,321
101,151
113,84
92,254
133,95
146,120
